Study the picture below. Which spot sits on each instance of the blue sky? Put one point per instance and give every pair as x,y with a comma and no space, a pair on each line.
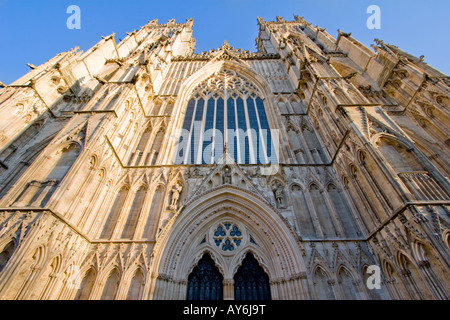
34,31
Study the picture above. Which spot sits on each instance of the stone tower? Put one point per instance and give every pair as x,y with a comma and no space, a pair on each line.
142,170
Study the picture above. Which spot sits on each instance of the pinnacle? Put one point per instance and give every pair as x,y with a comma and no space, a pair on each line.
225,45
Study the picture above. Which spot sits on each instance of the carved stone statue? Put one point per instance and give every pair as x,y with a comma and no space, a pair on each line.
279,196
176,190
227,176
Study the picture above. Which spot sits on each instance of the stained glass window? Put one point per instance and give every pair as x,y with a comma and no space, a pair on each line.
225,109
250,281
227,236
205,282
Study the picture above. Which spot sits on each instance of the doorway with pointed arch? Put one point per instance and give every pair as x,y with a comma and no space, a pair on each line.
251,282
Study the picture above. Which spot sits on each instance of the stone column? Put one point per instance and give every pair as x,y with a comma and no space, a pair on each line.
228,289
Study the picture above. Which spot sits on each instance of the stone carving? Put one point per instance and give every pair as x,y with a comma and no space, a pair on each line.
88,190
176,190
226,175
279,195
227,236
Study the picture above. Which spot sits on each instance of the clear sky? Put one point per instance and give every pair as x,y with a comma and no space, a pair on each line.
34,31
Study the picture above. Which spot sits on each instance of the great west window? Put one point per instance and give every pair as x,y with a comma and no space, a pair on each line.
226,111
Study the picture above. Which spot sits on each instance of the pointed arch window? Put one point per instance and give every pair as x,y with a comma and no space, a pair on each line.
6,254
250,281
205,282
225,109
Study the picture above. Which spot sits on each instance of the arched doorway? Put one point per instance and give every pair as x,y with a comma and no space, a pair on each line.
250,281
205,282
192,234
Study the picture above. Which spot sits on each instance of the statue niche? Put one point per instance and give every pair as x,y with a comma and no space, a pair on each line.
226,179
278,192
176,191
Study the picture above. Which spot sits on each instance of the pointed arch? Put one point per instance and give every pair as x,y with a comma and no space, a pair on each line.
206,250
397,153
22,139
296,105
296,142
434,272
48,277
135,290
323,284
411,275
205,282
366,199
36,262
396,285
6,254
92,192
432,128
313,145
29,156
180,239
251,282
86,285
169,107
347,283
111,98
415,172
156,146
374,294
283,104
141,149
202,74
226,95
157,104
375,177
111,285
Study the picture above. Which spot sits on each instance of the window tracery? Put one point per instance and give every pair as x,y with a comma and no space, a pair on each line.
225,108
227,236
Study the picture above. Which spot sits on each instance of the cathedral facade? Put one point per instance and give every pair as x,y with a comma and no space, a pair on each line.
313,168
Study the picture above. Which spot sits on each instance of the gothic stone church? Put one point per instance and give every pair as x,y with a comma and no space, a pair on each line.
142,170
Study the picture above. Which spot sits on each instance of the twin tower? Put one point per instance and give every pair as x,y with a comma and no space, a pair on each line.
144,170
